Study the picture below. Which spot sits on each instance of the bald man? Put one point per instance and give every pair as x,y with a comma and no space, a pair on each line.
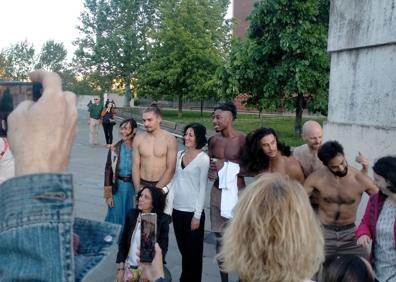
307,154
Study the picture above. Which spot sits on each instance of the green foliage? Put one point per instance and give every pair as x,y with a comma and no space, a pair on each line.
245,122
115,39
52,57
187,48
17,61
284,58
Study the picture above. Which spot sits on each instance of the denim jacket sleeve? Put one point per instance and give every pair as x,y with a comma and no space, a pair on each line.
36,227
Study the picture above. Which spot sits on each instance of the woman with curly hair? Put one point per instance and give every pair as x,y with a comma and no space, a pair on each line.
274,235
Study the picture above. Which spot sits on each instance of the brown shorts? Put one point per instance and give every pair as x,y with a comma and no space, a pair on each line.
217,221
146,183
340,240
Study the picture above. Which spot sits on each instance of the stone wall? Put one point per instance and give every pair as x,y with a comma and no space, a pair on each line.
362,94
362,44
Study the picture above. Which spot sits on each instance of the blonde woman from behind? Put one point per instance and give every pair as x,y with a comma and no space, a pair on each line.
274,235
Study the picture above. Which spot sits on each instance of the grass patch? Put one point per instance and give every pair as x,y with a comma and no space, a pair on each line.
283,125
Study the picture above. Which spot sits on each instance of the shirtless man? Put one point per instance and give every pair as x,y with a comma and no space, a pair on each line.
338,188
226,145
154,153
307,154
264,153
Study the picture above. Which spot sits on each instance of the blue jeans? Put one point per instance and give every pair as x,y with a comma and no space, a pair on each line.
36,227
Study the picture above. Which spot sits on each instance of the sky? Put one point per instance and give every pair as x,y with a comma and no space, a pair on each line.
40,20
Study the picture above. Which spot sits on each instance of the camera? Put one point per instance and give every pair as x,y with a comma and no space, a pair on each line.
11,94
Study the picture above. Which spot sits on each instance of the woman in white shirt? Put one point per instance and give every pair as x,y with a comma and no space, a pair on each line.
189,186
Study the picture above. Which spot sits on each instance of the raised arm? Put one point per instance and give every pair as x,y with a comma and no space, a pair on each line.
170,163
367,183
363,160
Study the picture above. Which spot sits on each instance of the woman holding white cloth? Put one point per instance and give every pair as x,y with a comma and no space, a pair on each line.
189,185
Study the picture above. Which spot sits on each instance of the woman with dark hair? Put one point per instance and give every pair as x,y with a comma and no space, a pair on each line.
118,187
108,122
347,268
379,221
150,200
189,186
264,153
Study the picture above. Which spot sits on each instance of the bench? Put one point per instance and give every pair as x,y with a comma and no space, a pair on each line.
168,124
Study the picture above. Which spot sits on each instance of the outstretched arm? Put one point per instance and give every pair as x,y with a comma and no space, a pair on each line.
367,183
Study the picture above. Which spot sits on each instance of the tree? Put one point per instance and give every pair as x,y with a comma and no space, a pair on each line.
115,39
188,47
52,57
284,62
17,61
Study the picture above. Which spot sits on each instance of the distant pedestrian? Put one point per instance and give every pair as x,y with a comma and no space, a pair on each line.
189,186
89,104
108,122
94,120
118,188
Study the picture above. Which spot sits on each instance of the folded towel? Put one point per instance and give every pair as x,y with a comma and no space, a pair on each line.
228,176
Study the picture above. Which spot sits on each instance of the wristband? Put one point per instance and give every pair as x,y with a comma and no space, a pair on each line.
165,190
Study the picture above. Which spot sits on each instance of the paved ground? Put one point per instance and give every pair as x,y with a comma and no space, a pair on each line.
87,165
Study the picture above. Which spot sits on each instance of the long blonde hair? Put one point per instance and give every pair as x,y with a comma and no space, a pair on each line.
274,235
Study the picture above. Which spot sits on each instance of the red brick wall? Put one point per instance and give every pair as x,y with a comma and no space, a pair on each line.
242,9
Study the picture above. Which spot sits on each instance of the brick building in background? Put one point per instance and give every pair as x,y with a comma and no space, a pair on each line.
241,10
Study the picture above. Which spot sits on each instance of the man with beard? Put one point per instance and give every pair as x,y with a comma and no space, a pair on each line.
307,154
338,189
225,146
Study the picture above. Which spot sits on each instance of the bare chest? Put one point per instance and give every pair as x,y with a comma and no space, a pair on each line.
153,147
227,148
341,192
